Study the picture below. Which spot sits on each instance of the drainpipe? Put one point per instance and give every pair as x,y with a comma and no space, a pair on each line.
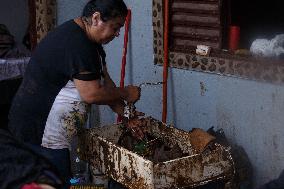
123,61
166,61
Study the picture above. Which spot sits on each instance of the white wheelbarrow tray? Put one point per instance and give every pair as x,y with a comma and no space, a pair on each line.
99,147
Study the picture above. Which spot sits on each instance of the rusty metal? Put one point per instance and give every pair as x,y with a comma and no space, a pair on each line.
151,84
99,147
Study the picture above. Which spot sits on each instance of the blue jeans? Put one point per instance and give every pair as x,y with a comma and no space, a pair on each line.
59,158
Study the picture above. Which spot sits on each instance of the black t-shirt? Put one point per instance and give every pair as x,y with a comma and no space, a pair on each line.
63,53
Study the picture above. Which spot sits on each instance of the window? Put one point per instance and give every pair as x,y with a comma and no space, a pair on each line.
206,22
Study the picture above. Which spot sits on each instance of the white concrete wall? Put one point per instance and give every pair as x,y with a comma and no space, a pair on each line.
251,113
14,14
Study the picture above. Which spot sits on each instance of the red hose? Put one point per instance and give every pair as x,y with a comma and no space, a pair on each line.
123,61
166,61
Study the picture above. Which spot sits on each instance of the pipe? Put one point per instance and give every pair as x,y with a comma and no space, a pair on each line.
123,62
166,61
124,53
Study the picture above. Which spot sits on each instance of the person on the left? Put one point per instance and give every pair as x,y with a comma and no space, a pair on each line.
68,68
23,168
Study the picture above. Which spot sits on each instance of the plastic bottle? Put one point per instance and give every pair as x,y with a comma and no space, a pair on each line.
81,174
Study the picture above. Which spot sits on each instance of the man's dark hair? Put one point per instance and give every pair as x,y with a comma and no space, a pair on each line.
108,9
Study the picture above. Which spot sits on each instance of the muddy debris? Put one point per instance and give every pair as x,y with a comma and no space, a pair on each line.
153,148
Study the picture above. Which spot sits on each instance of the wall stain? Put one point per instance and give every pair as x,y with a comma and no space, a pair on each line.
202,89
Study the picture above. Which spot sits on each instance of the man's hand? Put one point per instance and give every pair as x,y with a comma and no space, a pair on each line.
133,93
118,107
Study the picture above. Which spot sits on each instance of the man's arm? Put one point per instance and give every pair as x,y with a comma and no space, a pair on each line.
107,79
93,92
118,106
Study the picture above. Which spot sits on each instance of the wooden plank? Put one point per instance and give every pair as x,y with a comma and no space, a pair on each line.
198,1
194,43
195,18
196,6
196,24
195,11
201,38
196,31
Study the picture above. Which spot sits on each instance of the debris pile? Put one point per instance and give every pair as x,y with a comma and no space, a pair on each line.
150,147
138,137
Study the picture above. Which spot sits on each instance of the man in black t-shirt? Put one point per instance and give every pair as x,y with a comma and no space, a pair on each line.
72,52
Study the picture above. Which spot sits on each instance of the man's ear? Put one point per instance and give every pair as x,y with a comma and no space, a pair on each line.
96,18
